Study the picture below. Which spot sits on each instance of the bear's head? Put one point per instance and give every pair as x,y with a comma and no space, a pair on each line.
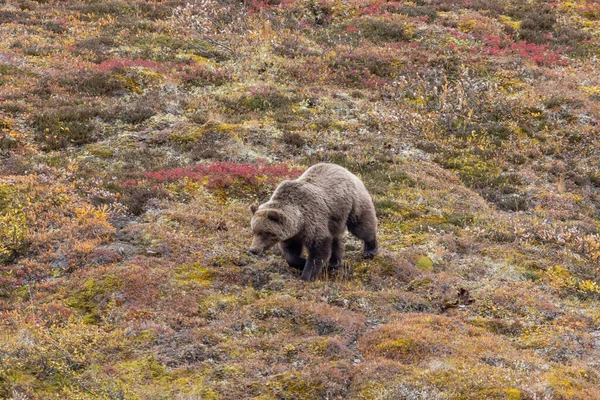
269,226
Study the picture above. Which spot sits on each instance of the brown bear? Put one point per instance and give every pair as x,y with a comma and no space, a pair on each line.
313,211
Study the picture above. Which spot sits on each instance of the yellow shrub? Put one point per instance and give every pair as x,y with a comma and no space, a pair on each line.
587,286
13,224
591,90
13,232
559,278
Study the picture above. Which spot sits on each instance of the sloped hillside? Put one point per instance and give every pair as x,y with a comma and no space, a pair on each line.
135,134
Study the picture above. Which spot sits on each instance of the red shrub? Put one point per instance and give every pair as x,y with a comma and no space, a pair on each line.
374,8
495,45
538,53
226,179
226,174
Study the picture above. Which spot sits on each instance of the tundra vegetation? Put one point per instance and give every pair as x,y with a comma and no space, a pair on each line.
134,135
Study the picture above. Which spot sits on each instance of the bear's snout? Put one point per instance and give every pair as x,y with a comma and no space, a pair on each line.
260,245
254,251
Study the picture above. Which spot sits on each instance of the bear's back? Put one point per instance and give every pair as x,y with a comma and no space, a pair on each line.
330,176
338,187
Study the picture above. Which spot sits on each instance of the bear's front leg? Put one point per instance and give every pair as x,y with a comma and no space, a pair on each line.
292,251
318,255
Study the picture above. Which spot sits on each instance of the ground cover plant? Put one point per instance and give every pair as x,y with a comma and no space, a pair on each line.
134,136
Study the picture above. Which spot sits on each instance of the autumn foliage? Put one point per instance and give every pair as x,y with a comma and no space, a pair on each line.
134,136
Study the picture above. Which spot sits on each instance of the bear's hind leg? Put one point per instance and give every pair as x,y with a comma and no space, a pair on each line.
292,251
318,255
364,227
336,254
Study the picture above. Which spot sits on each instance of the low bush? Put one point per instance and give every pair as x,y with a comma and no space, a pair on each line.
95,83
137,112
203,75
65,126
537,25
386,28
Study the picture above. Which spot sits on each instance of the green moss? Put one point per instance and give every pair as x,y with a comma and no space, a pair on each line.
188,135
475,171
494,393
226,127
292,385
513,394
148,378
371,391
460,220
387,207
194,274
265,396
403,346
383,178
424,262
410,239
143,370
55,382
92,294
145,337
320,346
100,151
213,305
418,283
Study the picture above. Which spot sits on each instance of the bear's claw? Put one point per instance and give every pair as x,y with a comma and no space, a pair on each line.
370,254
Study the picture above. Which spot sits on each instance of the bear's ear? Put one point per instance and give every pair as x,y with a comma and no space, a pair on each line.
274,215
253,208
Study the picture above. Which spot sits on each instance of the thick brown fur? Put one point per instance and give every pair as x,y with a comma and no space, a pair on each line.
313,211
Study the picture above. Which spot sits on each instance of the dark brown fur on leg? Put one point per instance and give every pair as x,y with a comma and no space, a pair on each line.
336,254
364,227
370,249
318,255
292,250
